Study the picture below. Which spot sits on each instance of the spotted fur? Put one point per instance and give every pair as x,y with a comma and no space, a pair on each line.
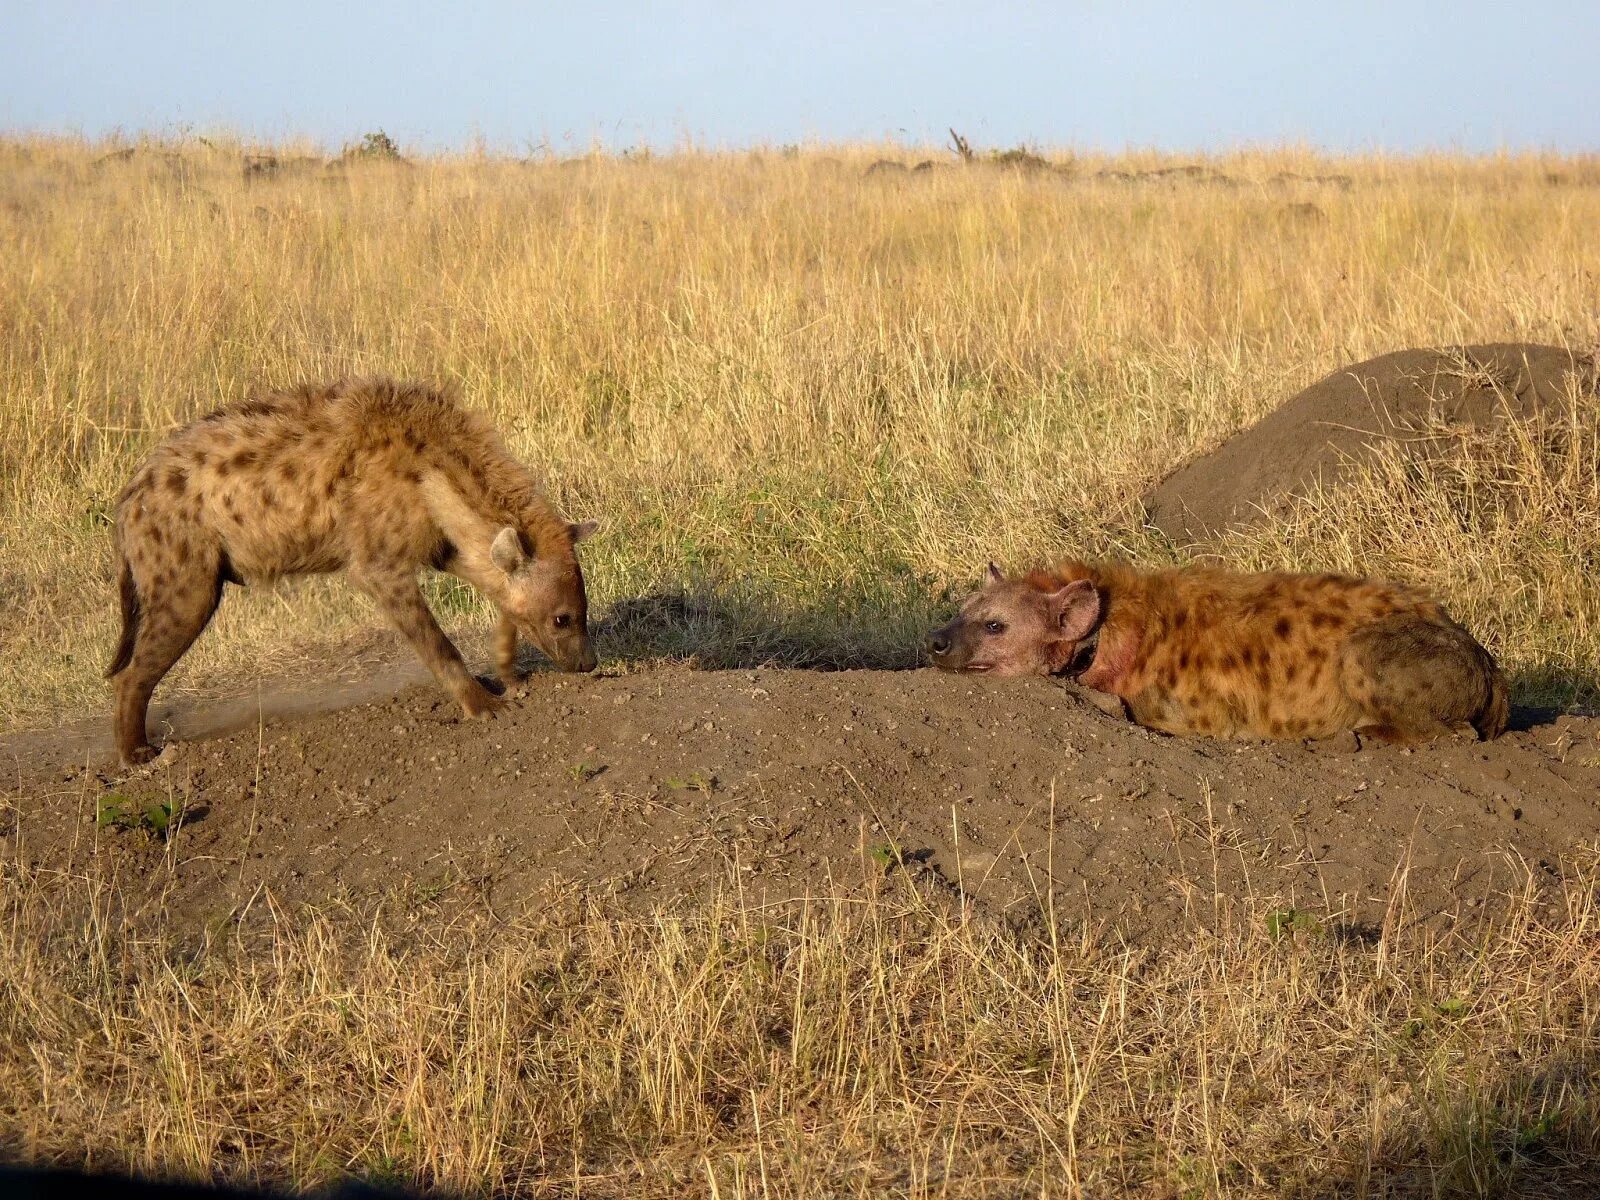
1198,650
375,477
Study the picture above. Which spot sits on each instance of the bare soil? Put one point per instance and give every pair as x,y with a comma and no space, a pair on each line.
1320,433
663,784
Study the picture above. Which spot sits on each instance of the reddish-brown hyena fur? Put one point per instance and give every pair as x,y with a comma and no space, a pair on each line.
375,477
1197,650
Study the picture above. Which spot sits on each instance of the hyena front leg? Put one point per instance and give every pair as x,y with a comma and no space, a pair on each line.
399,596
505,636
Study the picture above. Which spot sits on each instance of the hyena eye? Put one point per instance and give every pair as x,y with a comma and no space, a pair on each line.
995,627
563,620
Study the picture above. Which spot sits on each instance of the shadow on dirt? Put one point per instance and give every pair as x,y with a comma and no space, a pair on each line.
1552,692
721,633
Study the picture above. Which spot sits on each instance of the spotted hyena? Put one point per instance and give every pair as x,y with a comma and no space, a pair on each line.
1200,650
375,477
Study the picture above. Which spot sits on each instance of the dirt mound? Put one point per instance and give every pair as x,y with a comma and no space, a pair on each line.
664,783
1336,421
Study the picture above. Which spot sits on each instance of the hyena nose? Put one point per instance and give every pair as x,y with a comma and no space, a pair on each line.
938,644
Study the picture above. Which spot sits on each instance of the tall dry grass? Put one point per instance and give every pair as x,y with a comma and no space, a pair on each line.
881,1046
818,399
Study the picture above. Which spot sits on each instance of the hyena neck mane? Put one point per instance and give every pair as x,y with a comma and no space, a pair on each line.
476,488
472,484
470,522
1105,655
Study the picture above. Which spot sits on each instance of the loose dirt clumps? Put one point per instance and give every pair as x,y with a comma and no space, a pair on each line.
658,786
1412,394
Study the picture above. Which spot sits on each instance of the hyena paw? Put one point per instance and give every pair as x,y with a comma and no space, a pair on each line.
138,756
482,703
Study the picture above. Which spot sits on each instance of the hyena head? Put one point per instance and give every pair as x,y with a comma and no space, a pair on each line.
1011,627
544,596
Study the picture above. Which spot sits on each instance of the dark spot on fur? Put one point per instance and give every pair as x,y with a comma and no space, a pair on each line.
224,468
1323,620
1180,619
243,459
289,471
175,481
1281,627
269,498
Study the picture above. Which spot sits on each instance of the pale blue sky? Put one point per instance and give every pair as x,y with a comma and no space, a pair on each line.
1404,75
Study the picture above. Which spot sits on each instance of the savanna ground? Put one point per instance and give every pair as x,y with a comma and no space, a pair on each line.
807,404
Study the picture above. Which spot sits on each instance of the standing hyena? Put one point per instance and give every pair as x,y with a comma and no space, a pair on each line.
378,477
1199,650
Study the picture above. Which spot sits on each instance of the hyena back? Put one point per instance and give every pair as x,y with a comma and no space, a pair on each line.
1206,651
374,477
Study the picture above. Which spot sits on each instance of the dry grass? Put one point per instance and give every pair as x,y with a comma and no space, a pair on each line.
815,403
817,399
882,1046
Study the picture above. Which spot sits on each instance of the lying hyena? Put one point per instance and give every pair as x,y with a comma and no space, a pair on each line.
376,477
1198,650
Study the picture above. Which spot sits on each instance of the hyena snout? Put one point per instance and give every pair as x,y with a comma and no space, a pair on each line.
580,662
569,650
944,647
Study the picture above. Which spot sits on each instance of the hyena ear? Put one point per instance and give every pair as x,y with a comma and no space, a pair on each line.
581,530
1075,609
996,575
506,550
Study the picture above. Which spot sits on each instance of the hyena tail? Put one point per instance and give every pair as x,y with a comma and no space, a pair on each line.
130,617
1492,719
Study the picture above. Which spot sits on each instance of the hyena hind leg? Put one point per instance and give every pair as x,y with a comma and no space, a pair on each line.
1411,678
173,611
